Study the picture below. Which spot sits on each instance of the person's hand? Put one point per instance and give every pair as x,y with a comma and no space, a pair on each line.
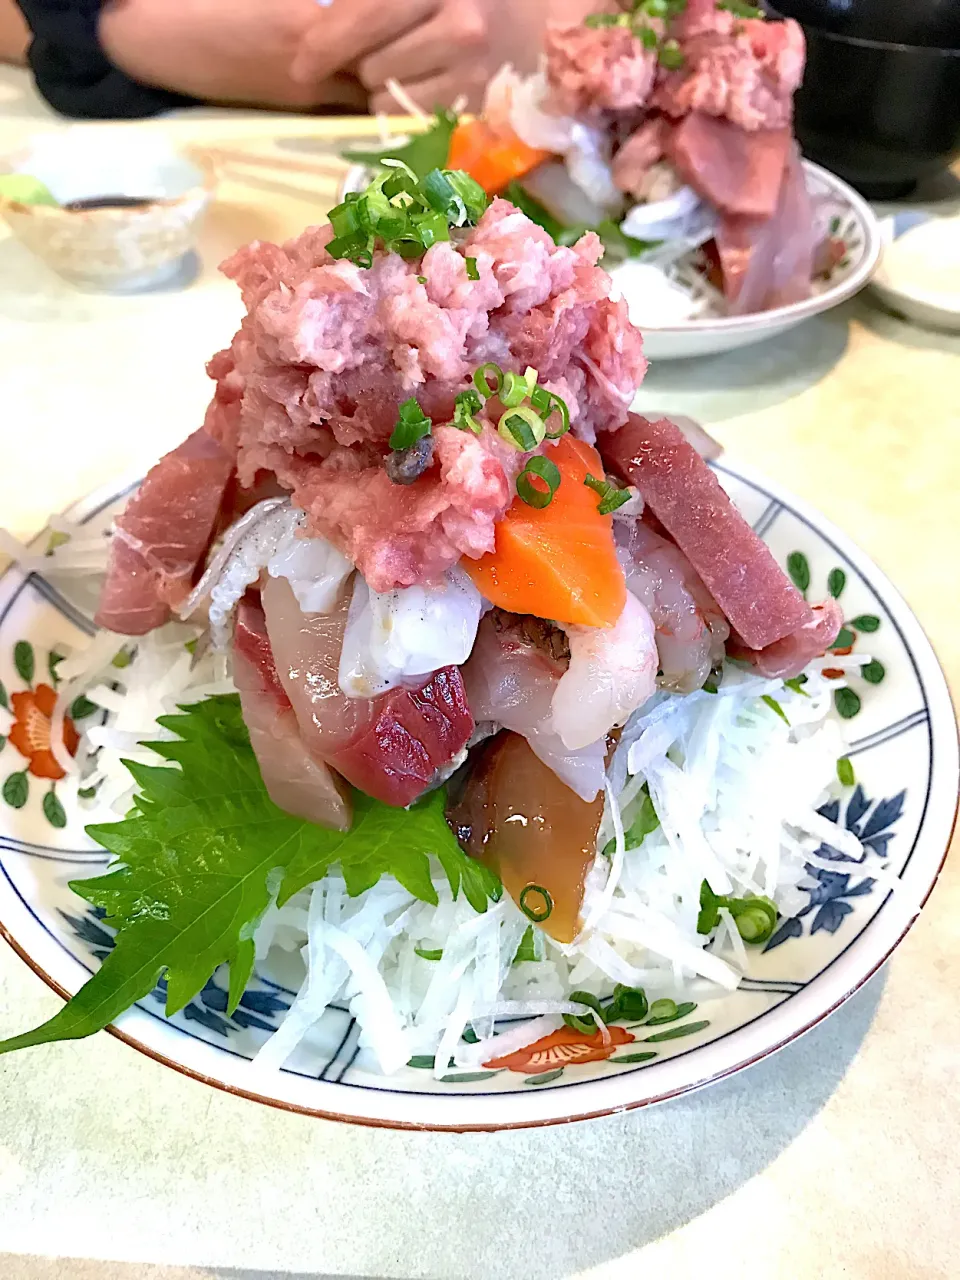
227,50
450,48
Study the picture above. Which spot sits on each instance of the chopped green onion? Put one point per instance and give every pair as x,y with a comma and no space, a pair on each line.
580,1023
516,389
428,955
611,495
465,406
647,36
412,425
536,903
796,684
845,772
663,1010
606,20
480,380
439,193
629,1004
473,271
541,469
527,949
671,55
755,918
739,9
522,428
421,279
546,404
475,199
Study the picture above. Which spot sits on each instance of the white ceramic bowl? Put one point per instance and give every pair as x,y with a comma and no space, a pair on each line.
932,310
902,741
855,223
113,249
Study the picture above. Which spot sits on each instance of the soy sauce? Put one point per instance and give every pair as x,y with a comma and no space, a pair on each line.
108,202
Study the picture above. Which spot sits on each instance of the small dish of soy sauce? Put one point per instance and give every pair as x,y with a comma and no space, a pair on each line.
127,205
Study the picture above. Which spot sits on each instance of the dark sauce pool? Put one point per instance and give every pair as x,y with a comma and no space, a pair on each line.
109,202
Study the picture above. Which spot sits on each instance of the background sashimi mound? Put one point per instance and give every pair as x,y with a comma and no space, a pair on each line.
309,388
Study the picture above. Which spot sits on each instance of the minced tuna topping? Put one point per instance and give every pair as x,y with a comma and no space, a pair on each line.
308,390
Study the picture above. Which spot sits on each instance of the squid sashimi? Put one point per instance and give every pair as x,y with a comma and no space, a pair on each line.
161,536
392,747
757,597
690,629
295,780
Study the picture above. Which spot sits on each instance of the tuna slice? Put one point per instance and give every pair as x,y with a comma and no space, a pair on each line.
788,657
295,781
770,263
758,599
391,747
739,172
162,535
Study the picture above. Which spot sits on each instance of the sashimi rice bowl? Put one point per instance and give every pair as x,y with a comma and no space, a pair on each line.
428,667
666,126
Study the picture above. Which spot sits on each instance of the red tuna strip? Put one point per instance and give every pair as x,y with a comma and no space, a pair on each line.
788,657
757,597
416,731
161,536
739,172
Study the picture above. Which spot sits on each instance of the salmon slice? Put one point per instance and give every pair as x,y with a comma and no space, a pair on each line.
558,561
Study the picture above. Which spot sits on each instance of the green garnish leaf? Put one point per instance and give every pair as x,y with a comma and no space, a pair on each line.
775,706
836,582
428,150
581,1022
198,856
873,672
868,622
845,772
798,567
24,189
527,949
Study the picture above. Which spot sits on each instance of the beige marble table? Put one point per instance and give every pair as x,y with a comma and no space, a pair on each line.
836,1158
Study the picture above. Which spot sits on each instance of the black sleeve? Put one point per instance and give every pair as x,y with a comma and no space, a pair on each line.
75,75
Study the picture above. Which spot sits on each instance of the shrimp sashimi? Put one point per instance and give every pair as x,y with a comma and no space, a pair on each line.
511,678
691,630
612,671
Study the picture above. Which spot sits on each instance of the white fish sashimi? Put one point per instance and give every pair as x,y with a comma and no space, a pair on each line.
314,567
409,632
612,672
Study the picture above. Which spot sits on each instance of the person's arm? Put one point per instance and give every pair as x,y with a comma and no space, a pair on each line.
14,34
236,51
72,71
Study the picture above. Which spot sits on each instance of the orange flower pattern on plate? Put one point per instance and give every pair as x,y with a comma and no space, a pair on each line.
30,734
564,1048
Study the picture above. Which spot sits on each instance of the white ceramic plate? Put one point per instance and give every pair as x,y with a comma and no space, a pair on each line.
903,745
852,220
